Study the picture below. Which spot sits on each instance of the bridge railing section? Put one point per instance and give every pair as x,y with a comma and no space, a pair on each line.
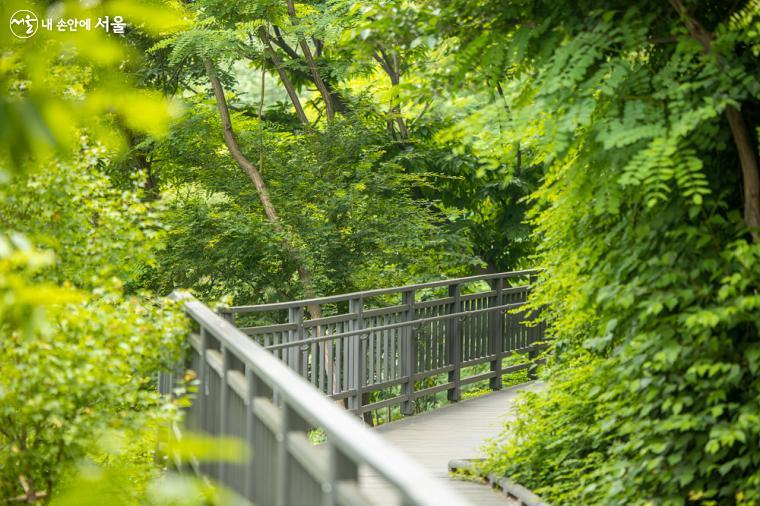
390,340
246,392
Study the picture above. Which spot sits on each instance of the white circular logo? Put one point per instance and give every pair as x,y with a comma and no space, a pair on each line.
23,24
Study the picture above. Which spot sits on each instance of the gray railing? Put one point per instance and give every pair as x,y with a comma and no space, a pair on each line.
391,339
246,392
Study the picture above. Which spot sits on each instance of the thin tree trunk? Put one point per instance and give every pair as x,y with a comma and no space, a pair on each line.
234,148
750,172
739,131
304,275
313,66
261,188
283,76
261,114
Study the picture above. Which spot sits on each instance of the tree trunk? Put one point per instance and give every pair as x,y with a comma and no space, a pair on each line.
261,188
304,275
338,104
326,97
739,131
750,172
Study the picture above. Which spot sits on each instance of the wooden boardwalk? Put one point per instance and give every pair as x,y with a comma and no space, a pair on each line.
455,431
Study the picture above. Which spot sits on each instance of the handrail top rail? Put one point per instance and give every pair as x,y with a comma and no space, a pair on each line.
274,306
343,430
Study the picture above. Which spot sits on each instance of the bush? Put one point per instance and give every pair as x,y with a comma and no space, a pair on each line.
90,368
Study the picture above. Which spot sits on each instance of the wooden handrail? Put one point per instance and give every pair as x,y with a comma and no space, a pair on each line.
259,308
247,392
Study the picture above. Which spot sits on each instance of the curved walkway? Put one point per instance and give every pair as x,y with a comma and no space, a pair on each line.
455,431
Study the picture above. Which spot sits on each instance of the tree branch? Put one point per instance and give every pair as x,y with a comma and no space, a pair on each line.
750,171
326,97
422,113
264,35
382,59
318,45
282,43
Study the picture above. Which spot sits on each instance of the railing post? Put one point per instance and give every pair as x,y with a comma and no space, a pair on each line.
224,403
409,350
295,315
291,422
203,383
227,314
532,333
259,393
229,317
250,429
497,336
341,468
358,372
455,344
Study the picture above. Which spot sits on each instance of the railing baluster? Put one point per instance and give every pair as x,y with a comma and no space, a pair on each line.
379,350
345,360
472,322
392,356
281,466
318,362
340,344
386,352
341,469
436,336
264,473
371,355
314,362
295,315
484,328
291,422
330,366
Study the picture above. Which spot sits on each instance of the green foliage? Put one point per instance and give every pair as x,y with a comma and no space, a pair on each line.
343,197
564,461
72,210
469,135
76,82
649,274
125,473
77,364
91,367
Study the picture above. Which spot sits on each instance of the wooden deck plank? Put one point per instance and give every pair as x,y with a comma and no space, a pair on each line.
455,431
